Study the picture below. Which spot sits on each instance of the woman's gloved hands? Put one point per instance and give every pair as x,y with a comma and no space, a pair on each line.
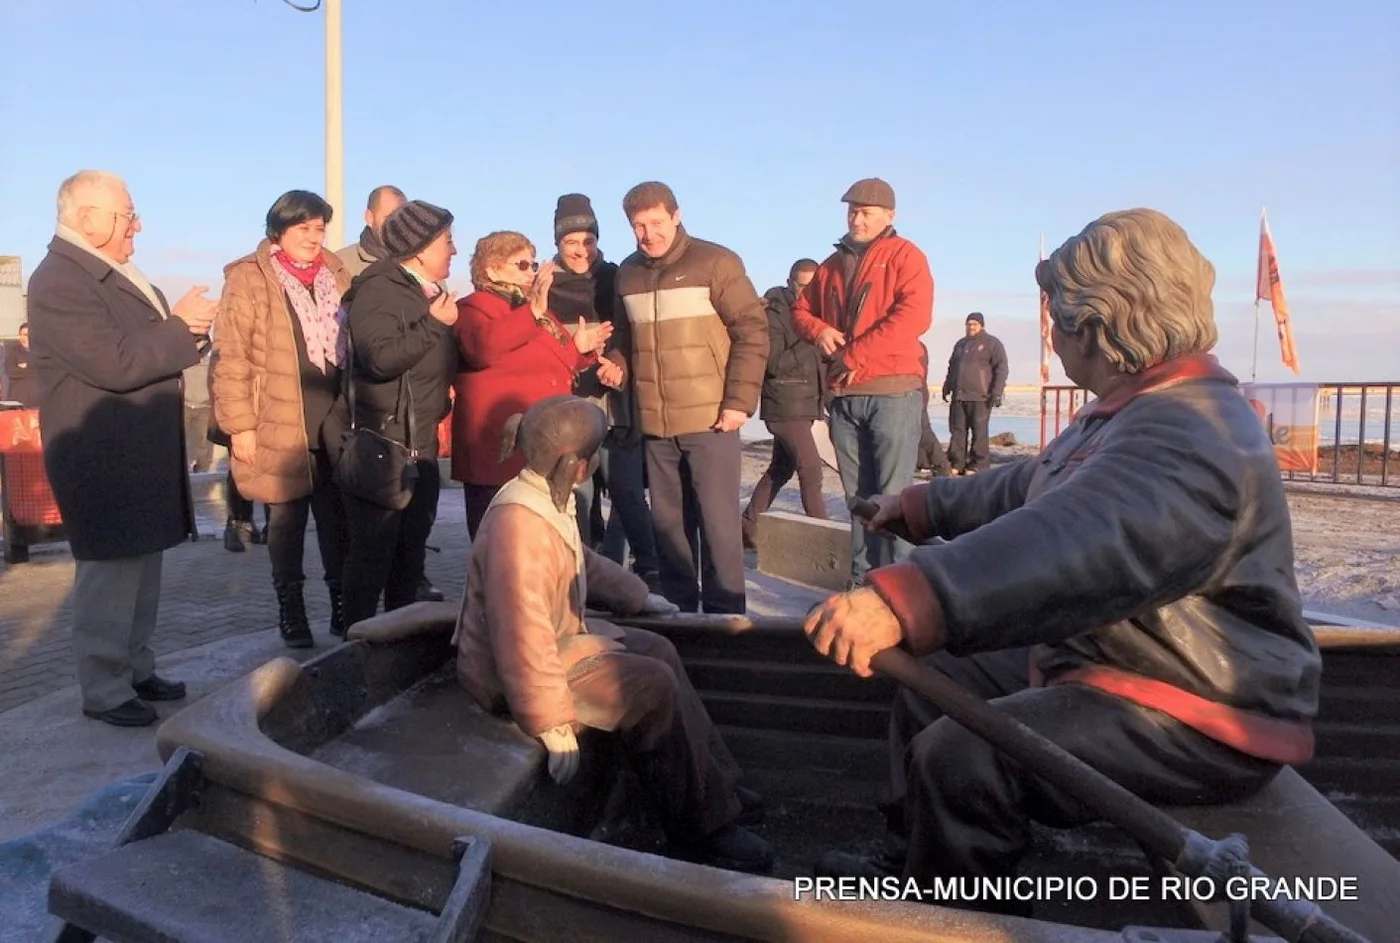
562,745
658,605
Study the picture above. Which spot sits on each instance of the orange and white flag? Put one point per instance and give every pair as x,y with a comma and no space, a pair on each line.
1270,289
1045,326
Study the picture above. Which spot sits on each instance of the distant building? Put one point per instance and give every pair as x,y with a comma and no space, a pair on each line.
12,296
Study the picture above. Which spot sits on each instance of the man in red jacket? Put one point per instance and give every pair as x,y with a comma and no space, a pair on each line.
866,309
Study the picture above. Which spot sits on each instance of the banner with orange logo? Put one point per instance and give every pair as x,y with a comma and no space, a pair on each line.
1289,412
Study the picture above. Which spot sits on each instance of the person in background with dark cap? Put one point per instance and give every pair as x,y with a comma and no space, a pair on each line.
400,319
585,286
359,256
866,309
524,646
976,381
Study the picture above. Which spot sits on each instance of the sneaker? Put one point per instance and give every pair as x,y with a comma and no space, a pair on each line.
234,536
732,847
427,592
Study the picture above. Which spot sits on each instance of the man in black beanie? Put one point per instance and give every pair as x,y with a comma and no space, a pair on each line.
976,381
585,287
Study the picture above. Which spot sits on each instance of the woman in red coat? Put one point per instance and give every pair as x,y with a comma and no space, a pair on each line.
514,354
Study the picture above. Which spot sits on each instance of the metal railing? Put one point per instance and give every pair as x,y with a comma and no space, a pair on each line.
1358,431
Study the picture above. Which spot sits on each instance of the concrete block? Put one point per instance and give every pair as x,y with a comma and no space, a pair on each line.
804,549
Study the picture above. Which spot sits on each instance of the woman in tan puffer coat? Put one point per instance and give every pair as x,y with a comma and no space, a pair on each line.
280,347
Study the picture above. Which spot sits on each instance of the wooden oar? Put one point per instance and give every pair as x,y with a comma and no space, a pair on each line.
1191,853
865,509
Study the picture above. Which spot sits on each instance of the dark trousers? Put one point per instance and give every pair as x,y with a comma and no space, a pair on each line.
966,416
386,548
629,523
794,452
967,809
199,451
694,482
644,694
286,528
477,498
931,454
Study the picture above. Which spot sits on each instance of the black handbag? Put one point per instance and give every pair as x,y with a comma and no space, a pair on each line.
373,467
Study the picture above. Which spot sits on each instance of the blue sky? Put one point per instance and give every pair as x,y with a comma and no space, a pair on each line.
995,122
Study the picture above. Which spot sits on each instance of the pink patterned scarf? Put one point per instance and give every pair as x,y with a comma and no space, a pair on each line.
318,309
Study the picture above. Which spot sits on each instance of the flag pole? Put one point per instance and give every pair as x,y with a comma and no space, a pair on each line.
1254,366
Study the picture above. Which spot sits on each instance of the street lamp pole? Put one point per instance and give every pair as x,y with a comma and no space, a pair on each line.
335,127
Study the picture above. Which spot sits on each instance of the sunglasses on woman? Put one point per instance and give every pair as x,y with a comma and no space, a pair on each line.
525,266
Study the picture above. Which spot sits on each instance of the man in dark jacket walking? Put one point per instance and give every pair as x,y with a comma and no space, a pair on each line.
794,396
976,381
108,353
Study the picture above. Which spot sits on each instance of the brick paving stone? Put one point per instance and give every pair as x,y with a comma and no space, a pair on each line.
207,594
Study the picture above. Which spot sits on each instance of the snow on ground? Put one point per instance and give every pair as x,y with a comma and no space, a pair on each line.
1346,548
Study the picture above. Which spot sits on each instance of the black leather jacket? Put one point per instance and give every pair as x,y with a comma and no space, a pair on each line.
1152,536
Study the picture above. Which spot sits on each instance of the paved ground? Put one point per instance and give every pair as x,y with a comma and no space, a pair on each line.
207,594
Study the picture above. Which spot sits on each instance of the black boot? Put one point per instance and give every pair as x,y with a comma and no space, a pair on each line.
337,610
236,535
291,607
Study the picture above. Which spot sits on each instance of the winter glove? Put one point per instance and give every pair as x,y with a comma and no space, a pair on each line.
996,402
563,752
658,605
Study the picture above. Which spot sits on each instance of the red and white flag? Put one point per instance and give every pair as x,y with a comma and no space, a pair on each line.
1045,326
1269,288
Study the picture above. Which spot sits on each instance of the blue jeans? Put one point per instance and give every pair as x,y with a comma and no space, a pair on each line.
876,439
629,522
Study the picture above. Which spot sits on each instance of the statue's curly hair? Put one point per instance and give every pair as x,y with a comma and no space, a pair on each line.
1133,280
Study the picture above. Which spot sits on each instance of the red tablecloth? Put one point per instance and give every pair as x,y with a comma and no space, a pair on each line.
29,499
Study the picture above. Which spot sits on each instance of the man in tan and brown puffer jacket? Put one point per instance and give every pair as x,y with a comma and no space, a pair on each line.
695,343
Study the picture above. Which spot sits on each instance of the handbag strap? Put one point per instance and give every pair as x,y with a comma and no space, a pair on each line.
348,382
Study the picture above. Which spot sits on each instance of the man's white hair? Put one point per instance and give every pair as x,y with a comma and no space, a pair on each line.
76,192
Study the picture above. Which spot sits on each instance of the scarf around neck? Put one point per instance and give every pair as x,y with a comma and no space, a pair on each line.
531,489
315,298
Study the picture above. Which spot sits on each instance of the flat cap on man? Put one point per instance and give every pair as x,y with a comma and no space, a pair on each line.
872,191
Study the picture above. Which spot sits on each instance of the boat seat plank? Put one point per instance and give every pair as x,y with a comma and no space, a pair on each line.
435,741
187,887
1294,832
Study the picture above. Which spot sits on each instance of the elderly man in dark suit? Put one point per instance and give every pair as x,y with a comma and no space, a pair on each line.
108,352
